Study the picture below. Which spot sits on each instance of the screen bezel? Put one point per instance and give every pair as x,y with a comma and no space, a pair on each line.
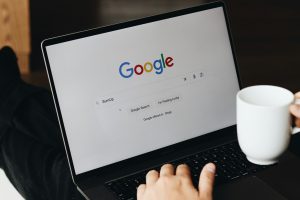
96,31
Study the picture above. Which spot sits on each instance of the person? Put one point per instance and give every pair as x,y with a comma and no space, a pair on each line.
295,110
32,152
177,186
31,149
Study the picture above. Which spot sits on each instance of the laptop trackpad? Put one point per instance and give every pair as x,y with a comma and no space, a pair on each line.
247,188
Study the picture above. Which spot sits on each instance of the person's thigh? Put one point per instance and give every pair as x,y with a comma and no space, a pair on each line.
30,110
37,118
38,171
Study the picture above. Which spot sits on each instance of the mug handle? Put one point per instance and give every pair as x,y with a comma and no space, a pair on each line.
296,129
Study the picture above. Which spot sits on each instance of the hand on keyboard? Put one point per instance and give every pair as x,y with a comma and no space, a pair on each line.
229,159
171,185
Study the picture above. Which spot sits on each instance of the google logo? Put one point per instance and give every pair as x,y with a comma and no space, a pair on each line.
158,65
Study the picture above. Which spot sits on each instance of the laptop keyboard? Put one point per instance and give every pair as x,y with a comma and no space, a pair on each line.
230,161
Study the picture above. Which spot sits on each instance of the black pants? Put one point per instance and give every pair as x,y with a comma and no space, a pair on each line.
31,149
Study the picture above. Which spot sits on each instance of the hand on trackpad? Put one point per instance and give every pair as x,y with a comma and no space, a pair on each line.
248,188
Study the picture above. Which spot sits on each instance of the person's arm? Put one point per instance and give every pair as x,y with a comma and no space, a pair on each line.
295,110
177,185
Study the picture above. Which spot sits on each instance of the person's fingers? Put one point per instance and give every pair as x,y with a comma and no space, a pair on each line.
295,110
140,191
206,181
167,170
151,177
184,172
297,123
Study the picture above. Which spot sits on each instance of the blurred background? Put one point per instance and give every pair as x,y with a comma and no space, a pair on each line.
266,33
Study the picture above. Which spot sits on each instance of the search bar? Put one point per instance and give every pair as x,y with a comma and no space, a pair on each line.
146,95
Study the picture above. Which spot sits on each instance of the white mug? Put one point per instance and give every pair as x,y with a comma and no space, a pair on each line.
264,122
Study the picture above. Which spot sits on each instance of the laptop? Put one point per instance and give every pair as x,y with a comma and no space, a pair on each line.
133,96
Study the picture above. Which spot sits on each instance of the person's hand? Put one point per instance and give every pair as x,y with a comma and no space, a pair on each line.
171,185
295,110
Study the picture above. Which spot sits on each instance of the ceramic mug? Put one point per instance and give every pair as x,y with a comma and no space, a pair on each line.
264,122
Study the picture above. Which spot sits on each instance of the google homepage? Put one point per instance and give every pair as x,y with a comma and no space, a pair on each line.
132,91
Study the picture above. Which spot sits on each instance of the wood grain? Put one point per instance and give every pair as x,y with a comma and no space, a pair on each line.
15,29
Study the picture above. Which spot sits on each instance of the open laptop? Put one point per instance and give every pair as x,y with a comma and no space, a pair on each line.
135,95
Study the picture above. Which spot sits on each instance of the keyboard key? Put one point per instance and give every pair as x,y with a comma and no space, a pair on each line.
231,164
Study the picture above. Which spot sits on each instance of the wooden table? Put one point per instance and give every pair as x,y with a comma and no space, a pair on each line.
15,29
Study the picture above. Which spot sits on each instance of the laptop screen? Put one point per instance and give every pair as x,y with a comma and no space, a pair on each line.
127,92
